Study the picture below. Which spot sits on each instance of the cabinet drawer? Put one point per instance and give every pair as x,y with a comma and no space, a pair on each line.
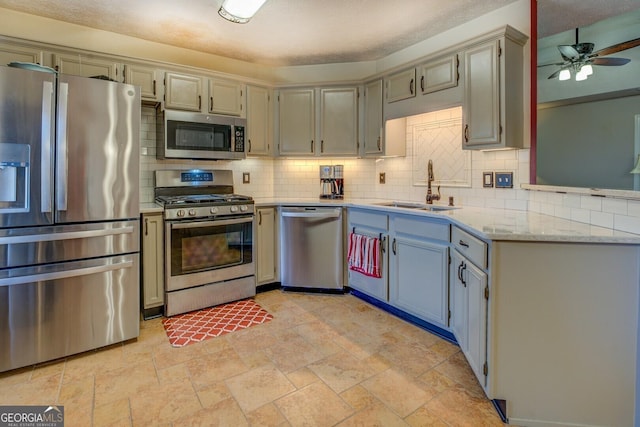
421,227
473,248
368,219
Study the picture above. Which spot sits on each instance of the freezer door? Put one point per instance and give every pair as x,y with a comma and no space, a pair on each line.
55,310
26,147
97,151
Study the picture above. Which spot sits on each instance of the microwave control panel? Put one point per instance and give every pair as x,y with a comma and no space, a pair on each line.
239,139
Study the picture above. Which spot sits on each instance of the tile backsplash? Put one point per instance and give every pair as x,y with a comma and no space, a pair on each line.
291,178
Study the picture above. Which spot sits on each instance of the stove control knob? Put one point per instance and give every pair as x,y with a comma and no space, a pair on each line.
192,212
234,209
213,210
243,208
180,213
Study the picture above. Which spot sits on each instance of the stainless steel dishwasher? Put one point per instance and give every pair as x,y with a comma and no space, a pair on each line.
311,249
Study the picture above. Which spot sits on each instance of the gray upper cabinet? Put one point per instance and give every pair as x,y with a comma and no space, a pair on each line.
493,107
339,122
296,108
373,119
88,66
259,121
401,85
146,78
439,74
14,53
226,97
183,92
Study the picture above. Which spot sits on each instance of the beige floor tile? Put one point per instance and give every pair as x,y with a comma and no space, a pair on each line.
411,358
117,412
424,418
258,387
267,416
314,405
39,391
457,368
458,407
94,362
438,381
302,377
123,382
398,391
374,415
226,413
292,354
211,368
341,371
164,403
213,394
165,355
358,397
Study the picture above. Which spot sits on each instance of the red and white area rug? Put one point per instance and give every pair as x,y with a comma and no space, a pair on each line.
196,326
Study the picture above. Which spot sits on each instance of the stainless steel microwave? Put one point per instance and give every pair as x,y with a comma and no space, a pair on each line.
186,135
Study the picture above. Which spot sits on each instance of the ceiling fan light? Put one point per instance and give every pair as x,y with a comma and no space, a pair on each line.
581,75
564,75
587,69
240,11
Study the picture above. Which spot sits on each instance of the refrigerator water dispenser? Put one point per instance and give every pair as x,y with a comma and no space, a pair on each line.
14,177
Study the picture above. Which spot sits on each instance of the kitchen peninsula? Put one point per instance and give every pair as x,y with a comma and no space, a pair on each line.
561,323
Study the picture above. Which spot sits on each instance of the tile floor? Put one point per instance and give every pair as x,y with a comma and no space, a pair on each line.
323,360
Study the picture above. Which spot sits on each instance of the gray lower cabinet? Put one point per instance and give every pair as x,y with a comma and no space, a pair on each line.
418,267
152,264
372,224
267,246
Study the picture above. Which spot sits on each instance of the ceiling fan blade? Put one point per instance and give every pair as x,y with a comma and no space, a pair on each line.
553,63
568,52
554,75
618,47
609,61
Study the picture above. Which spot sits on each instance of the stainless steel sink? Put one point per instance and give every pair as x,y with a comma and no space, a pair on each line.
415,205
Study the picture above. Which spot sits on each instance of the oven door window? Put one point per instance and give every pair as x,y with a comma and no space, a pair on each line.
198,136
206,246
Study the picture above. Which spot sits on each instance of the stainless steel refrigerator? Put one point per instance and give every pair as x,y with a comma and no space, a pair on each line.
69,215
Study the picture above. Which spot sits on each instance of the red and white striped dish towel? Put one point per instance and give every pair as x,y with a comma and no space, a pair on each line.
364,254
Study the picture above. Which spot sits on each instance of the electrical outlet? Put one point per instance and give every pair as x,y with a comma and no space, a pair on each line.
382,178
504,179
246,178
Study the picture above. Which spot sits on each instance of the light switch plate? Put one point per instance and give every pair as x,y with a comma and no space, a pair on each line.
246,178
504,179
382,178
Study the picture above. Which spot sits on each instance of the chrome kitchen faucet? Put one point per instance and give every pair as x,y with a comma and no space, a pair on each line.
430,178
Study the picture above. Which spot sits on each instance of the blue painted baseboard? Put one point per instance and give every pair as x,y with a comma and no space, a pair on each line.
436,330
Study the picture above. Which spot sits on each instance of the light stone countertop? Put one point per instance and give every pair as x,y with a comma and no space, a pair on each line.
146,208
487,223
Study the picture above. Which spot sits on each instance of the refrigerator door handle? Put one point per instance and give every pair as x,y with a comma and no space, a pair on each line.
64,274
32,238
61,158
45,147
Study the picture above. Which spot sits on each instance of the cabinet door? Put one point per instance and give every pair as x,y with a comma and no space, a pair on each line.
401,85
482,95
296,122
145,77
258,121
439,74
459,300
85,66
373,119
10,53
152,260
266,244
418,282
371,223
225,97
183,92
476,281
339,122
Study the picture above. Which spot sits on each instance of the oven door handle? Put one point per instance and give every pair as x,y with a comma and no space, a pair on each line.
198,224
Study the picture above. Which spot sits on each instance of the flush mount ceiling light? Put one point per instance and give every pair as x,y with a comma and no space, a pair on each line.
240,11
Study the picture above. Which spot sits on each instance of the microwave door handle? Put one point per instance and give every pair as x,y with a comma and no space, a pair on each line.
45,147
61,158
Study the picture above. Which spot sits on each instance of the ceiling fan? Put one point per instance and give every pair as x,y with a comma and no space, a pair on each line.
580,57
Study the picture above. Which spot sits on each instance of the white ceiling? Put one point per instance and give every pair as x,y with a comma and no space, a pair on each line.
283,32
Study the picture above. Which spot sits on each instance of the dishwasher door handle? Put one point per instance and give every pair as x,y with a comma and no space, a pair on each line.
311,214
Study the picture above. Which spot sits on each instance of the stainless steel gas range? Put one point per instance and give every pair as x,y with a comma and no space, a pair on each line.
208,239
